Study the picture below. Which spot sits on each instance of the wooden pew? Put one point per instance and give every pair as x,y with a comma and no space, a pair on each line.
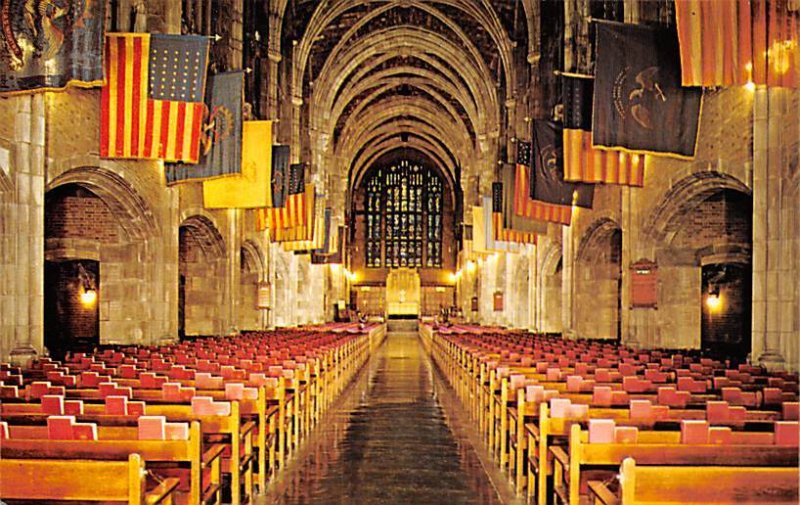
753,449
81,480
238,435
116,443
712,485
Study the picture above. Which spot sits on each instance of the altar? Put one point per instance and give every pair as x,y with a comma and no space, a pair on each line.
403,294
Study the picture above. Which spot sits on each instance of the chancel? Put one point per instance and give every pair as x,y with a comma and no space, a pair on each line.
400,251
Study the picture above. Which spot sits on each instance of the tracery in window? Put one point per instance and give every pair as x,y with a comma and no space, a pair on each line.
403,210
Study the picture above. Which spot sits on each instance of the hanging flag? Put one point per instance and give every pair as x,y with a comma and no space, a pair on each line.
293,212
251,188
510,218
582,162
50,45
316,235
280,175
300,222
733,42
501,233
152,104
478,230
326,237
493,233
334,256
222,132
639,104
547,173
527,207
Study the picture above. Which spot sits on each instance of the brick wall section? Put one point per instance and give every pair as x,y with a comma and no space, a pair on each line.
723,217
85,217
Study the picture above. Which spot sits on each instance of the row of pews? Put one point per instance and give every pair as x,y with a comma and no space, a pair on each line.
202,421
576,421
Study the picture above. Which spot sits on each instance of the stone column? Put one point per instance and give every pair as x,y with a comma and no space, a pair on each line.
232,269
568,283
272,82
22,245
770,264
533,287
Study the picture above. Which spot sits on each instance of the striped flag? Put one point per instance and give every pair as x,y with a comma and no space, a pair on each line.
524,205
547,169
316,238
499,231
733,42
221,142
152,104
582,162
510,219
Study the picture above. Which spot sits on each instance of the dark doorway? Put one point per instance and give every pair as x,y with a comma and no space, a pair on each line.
726,310
71,306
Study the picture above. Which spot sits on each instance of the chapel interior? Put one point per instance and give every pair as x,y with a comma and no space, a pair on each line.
400,251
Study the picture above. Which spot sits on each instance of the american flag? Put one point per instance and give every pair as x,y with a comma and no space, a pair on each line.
152,103
291,220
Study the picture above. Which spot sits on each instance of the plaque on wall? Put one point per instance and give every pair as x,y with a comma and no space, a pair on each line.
263,295
644,284
498,301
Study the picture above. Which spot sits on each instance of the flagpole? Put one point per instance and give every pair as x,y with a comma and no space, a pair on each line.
572,74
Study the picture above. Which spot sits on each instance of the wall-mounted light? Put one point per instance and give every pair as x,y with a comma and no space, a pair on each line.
713,299
88,289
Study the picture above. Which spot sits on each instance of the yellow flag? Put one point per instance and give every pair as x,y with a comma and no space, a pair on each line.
251,188
478,230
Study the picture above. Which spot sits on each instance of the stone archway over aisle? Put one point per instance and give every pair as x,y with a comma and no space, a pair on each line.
202,286
550,291
704,219
253,274
96,217
598,281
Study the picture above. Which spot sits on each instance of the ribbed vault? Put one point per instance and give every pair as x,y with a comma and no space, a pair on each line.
372,77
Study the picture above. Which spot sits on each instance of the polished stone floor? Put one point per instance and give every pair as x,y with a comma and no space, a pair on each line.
395,436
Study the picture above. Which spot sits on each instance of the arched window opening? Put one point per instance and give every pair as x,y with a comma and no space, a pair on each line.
404,217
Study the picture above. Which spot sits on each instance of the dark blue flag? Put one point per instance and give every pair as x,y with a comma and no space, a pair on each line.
51,45
221,153
280,174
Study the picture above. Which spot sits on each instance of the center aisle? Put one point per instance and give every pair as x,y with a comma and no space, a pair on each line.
387,440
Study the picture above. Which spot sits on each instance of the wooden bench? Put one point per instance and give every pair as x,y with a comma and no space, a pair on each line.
81,480
237,435
752,449
712,485
116,443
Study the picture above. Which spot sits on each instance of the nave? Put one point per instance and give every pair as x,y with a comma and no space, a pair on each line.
395,436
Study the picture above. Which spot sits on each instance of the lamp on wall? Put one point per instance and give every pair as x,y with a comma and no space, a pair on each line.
713,300
88,293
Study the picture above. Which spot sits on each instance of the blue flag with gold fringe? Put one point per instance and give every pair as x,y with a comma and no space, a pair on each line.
50,45
639,103
221,151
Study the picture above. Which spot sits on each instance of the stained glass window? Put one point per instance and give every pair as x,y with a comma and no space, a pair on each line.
407,199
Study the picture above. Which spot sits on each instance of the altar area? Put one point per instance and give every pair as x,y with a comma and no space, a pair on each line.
403,290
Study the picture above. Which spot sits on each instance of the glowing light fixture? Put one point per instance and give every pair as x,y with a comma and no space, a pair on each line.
713,300
88,291
471,266
88,297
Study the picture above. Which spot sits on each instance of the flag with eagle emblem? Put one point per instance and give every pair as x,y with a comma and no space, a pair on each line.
50,44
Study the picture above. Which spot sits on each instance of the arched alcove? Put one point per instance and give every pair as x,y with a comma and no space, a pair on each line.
598,281
201,266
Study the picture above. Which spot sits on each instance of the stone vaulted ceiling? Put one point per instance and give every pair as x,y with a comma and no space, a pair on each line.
373,77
